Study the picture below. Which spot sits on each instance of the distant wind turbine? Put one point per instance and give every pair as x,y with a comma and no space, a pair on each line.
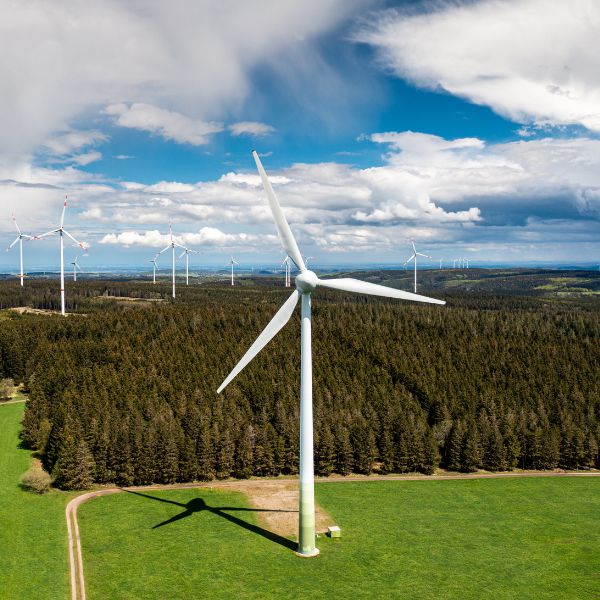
62,232
75,267
154,268
306,282
231,263
414,257
288,267
172,244
187,253
20,239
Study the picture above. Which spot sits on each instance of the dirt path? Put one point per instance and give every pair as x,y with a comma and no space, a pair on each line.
267,493
13,401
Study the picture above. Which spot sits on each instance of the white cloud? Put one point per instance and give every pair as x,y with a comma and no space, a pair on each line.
251,128
463,191
66,143
168,124
205,237
63,60
532,61
87,158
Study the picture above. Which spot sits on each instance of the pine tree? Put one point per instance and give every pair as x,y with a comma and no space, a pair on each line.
75,466
325,452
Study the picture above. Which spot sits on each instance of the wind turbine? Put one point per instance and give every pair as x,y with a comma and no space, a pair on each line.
232,262
306,282
62,232
20,239
187,253
414,257
154,269
288,267
75,267
172,244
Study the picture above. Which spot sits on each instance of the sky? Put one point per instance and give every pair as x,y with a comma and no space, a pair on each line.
471,127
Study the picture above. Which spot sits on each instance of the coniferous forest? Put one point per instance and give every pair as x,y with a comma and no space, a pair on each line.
124,391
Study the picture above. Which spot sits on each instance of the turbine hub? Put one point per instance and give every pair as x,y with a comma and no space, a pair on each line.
306,282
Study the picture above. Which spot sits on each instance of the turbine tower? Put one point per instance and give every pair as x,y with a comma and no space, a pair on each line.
75,267
288,267
414,257
231,263
62,232
172,244
20,239
154,269
306,282
187,253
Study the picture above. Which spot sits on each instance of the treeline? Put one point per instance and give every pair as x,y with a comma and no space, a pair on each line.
126,393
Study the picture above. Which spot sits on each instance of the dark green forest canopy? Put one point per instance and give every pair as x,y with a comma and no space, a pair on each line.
125,391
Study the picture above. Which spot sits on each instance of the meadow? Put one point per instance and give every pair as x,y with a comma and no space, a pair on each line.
503,538
33,532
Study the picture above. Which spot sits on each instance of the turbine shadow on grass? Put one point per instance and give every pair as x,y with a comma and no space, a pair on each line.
199,505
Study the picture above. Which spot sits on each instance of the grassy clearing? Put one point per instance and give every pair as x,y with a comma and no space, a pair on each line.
502,539
33,533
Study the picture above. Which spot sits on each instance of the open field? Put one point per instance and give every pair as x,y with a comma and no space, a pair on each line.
33,533
500,538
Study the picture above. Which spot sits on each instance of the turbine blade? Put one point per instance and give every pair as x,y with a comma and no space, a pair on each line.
80,244
18,238
39,237
282,316
62,217
182,254
283,229
372,289
158,253
411,258
15,222
424,255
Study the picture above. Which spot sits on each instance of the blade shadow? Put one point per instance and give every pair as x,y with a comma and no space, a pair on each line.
197,505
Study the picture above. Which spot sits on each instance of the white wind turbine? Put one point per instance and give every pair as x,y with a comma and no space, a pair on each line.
187,253
231,263
172,244
20,239
154,268
62,232
287,263
75,267
306,282
414,257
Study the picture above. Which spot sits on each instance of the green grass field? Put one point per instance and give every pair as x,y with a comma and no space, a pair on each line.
33,531
497,538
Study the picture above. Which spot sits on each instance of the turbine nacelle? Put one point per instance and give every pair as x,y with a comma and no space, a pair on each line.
306,282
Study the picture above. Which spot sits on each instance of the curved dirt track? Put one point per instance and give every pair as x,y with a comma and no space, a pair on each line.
75,555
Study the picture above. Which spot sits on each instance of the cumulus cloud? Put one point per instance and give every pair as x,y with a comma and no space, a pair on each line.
436,190
250,128
205,237
168,124
529,60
